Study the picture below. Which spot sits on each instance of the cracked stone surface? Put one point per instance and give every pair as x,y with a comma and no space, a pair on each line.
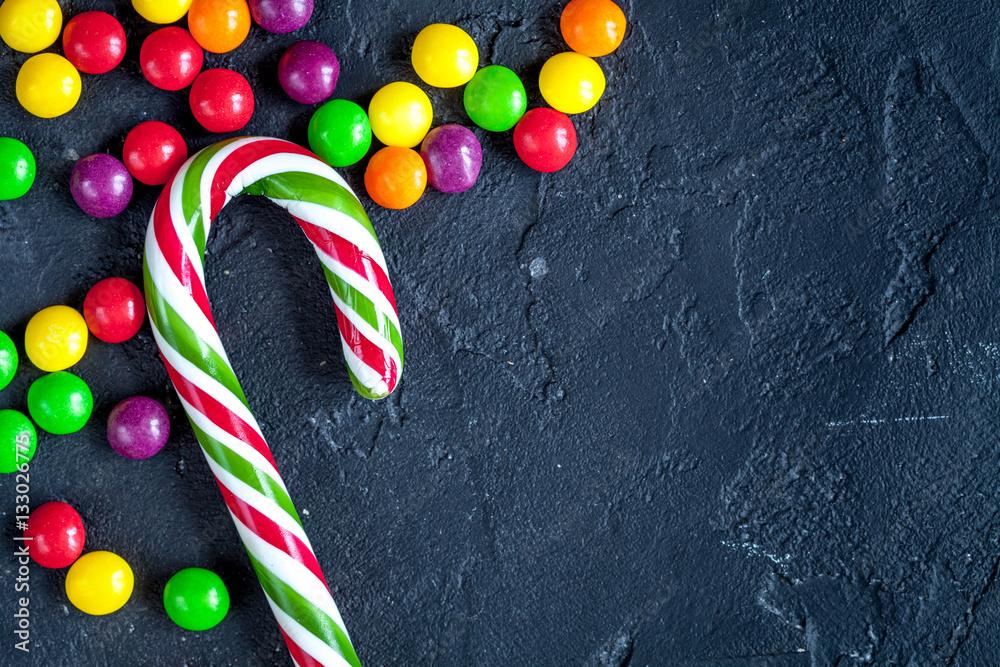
721,392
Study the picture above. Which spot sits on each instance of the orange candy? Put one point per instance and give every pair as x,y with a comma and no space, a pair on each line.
593,27
219,26
396,177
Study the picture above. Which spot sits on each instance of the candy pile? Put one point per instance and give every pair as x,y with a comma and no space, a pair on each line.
60,402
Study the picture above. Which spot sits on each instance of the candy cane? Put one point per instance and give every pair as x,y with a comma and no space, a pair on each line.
332,217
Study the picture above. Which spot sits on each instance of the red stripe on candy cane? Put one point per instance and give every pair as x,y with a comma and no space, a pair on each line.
178,260
301,658
371,354
236,162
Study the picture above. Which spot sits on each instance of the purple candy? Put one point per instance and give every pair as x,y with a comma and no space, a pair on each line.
281,16
100,185
453,157
138,427
308,72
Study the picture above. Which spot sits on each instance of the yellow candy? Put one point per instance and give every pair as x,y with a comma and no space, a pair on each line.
161,11
571,83
445,56
99,583
56,338
48,85
400,114
30,25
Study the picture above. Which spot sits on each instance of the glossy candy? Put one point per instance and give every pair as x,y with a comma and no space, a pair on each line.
592,27
94,42
339,133
281,16
154,152
571,83
60,403
453,157
162,11
56,535
196,599
48,85
545,139
17,169
396,177
30,25
101,185
99,583
114,310
219,25
495,99
400,114
221,100
170,58
444,56
8,360
17,440
308,72
56,338
138,427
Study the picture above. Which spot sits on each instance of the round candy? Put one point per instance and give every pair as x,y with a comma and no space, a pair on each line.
99,583
453,157
571,83
162,11
30,25
48,85
170,58
154,152
56,338
400,114
281,16
56,535
308,72
196,599
17,440
114,310
17,169
8,360
101,185
495,99
60,403
592,27
219,25
339,133
221,100
545,139
444,56
94,42
396,177
138,427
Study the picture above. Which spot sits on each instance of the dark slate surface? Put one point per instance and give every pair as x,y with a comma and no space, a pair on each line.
722,392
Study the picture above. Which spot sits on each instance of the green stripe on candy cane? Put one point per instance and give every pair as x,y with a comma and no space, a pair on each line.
308,615
364,307
191,194
245,471
182,338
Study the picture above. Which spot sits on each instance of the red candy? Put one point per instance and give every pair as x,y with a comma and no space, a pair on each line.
154,152
56,535
221,100
94,42
545,139
170,58
114,310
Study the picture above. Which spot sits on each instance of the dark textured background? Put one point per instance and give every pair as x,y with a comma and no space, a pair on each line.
721,392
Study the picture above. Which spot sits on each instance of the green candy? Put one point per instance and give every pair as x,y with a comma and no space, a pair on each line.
17,168
196,599
340,133
60,403
495,99
17,440
8,360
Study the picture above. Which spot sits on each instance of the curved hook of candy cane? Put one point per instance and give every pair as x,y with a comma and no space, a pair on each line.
332,217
